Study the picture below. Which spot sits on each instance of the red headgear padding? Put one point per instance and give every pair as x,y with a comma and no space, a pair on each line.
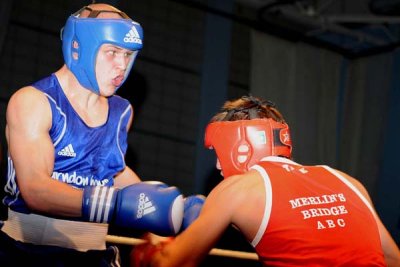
241,144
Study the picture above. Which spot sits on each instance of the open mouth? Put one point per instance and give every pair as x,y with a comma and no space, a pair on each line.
117,81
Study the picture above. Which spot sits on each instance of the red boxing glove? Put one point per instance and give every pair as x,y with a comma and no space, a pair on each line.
141,255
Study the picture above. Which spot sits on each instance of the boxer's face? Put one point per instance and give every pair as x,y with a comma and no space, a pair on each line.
112,61
111,64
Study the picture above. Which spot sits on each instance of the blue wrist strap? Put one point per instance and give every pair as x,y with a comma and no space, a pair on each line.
98,203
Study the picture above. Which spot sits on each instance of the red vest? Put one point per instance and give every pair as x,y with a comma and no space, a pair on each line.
314,217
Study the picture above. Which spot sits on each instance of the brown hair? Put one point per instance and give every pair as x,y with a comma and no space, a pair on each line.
98,9
247,108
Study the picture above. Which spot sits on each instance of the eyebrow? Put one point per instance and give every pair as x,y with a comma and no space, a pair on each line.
114,46
117,47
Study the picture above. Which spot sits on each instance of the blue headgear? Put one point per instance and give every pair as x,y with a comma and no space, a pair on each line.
82,38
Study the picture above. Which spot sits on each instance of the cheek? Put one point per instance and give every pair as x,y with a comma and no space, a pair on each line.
102,69
99,73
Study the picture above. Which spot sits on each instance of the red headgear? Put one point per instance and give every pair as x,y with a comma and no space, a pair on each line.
241,144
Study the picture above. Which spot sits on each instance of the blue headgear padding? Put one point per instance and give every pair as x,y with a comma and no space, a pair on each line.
90,34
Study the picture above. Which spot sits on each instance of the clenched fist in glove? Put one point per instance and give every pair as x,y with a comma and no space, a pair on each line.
148,206
192,208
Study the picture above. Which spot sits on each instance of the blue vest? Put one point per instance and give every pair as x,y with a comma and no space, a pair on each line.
84,155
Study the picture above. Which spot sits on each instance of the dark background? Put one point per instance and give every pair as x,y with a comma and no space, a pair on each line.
197,54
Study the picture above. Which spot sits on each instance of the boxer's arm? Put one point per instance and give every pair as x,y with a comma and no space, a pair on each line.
32,151
125,178
191,246
389,247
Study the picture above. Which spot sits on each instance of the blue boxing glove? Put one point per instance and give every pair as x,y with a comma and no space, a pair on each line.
192,207
149,206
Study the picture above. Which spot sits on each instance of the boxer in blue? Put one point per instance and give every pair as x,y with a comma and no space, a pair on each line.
67,136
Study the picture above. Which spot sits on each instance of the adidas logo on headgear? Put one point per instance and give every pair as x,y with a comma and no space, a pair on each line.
132,36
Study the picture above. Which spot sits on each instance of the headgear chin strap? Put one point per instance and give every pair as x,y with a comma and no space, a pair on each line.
82,38
243,143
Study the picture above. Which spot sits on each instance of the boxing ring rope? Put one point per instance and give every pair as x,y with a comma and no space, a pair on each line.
214,252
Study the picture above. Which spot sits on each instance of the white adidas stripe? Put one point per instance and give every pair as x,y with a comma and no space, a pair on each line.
101,204
108,204
94,203
148,207
70,148
134,32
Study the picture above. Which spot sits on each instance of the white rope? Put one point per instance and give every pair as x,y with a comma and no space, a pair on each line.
215,251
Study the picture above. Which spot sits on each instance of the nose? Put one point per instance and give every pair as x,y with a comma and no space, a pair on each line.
122,61
218,165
